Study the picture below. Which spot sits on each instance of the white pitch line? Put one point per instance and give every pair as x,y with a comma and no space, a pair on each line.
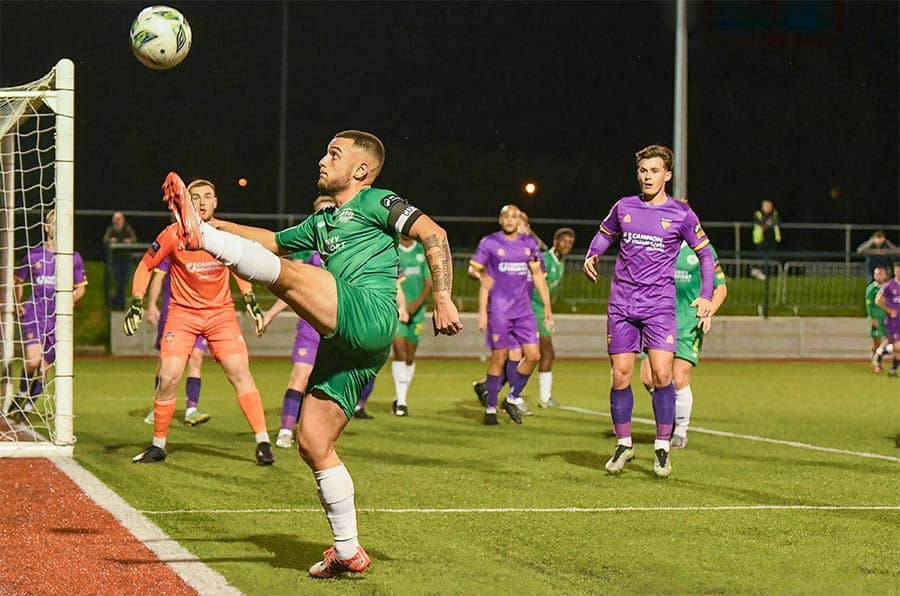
720,433
548,509
186,565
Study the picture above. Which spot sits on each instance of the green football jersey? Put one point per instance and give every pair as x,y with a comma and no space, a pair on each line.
873,311
554,269
414,269
687,285
358,240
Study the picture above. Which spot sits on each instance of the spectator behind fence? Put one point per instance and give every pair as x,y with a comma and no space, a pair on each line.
118,262
879,251
766,234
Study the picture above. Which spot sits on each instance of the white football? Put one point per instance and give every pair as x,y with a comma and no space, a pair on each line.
160,37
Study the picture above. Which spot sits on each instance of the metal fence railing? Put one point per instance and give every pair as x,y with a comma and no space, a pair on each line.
828,288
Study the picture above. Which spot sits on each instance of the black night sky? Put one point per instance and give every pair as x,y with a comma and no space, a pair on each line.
788,100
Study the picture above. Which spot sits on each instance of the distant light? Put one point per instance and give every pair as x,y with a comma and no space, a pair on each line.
242,182
531,188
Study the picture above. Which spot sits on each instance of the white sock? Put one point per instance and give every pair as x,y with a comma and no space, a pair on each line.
161,443
660,444
189,411
545,382
624,441
336,495
262,438
401,383
408,371
684,401
247,258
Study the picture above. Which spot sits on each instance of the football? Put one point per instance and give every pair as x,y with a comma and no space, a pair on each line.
160,37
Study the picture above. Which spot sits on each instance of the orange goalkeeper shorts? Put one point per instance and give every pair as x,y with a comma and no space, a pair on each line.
219,327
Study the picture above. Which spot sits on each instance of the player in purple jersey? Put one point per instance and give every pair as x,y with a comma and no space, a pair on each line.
161,287
514,355
37,314
641,314
888,299
513,262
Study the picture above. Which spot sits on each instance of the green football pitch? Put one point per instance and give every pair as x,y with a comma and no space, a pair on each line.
790,484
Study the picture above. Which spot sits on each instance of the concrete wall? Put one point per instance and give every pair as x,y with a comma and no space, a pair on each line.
584,336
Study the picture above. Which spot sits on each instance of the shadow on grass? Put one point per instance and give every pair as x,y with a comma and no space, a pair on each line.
596,462
288,552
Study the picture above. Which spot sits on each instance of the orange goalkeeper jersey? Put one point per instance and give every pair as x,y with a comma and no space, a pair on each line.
199,281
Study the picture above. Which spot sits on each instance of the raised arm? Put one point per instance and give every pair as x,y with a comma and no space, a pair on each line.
437,254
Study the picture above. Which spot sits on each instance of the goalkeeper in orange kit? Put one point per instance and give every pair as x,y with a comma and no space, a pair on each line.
201,305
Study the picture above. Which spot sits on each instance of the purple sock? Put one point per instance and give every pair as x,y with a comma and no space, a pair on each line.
621,404
36,388
290,408
895,364
366,392
23,384
517,382
492,384
192,388
664,411
510,374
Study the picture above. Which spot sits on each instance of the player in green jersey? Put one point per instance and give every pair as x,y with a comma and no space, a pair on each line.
351,302
690,335
554,262
876,317
415,288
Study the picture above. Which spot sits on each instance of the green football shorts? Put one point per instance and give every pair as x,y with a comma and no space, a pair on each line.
360,345
690,344
539,319
412,331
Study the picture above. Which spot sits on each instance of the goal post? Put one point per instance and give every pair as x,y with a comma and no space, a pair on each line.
37,156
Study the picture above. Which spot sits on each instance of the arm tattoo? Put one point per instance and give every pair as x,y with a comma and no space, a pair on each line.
437,252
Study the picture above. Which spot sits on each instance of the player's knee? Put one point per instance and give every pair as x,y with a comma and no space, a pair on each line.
662,378
621,378
313,451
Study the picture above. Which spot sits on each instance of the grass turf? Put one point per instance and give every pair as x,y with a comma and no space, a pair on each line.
262,527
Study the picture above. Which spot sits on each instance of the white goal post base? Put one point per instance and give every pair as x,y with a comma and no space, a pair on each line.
37,166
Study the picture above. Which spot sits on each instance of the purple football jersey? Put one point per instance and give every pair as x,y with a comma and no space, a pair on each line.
507,263
166,291
891,291
650,239
38,268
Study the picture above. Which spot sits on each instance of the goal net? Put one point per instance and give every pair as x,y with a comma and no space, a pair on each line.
37,129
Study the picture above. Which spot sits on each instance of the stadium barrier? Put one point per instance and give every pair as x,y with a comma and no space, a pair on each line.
584,337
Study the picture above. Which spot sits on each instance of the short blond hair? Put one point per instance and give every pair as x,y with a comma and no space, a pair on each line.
368,143
200,182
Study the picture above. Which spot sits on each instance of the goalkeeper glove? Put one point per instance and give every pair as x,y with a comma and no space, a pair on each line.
134,315
256,312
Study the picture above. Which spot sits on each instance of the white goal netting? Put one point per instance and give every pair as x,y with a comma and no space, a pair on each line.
36,264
